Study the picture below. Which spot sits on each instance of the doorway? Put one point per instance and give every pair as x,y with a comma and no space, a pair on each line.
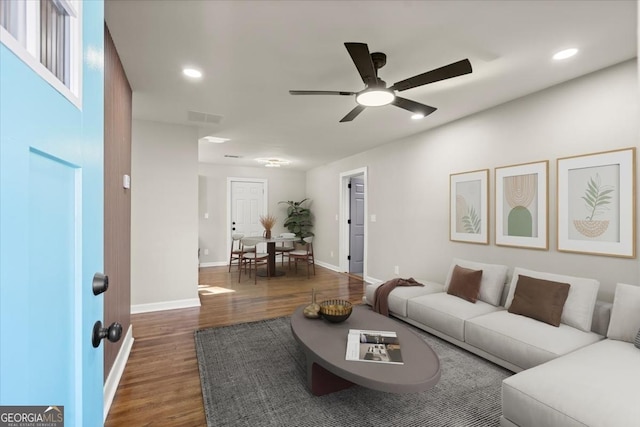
352,222
356,225
247,201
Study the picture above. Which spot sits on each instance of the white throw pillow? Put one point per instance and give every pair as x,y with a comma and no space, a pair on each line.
494,277
578,309
625,314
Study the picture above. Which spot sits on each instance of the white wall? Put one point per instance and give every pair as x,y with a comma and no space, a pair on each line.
408,180
282,185
164,214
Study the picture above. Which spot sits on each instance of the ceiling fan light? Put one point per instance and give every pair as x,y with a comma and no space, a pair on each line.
375,97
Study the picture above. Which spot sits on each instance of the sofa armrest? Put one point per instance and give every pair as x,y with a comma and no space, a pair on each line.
601,317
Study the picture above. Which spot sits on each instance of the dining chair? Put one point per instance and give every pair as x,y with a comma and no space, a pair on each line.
236,239
305,255
286,246
250,255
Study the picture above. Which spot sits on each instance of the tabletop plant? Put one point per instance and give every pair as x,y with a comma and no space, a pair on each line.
298,219
267,221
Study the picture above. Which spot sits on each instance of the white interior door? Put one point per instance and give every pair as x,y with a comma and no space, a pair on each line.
247,202
356,225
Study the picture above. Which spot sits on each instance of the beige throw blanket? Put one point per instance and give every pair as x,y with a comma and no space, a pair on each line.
381,296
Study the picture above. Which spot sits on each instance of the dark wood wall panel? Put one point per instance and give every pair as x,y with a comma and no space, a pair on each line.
117,200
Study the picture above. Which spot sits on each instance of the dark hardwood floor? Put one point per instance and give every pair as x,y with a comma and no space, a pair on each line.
161,384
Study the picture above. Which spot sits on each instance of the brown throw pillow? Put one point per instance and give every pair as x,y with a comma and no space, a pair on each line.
539,299
465,283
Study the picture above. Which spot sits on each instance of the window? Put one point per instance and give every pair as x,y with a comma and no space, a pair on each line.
13,18
54,39
46,34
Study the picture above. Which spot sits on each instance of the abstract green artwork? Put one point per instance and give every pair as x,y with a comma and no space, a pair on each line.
521,205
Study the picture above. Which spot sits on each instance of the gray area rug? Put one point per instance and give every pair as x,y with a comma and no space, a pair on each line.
253,374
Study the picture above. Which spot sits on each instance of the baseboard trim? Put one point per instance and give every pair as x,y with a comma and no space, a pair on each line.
165,305
113,380
329,266
372,280
214,264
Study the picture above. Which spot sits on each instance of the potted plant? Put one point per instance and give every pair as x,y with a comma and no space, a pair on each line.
298,219
267,221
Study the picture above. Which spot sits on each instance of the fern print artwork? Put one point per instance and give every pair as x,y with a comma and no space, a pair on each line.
468,217
594,204
471,221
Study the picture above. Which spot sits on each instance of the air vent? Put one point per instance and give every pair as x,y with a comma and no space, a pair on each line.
197,116
232,156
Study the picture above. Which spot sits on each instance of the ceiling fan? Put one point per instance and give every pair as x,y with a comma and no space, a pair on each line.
376,93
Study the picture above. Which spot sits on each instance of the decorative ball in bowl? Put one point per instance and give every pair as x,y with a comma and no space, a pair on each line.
336,310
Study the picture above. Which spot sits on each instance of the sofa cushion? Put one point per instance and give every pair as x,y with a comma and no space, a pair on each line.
523,341
399,296
625,314
446,313
494,277
594,386
636,342
539,299
465,283
578,309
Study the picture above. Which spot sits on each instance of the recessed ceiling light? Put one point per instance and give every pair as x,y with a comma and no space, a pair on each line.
564,54
273,162
417,116
192,72
213,139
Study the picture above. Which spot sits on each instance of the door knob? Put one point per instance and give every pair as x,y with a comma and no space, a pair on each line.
112,333
100,283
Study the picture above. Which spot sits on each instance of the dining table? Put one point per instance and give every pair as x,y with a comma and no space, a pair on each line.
272,271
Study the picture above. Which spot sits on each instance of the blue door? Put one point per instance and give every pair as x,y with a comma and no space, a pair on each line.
51,235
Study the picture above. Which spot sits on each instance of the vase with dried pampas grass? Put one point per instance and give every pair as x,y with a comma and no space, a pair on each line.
267,221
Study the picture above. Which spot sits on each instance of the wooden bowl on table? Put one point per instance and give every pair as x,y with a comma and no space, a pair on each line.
336,310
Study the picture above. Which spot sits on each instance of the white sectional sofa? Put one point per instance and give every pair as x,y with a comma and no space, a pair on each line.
568,375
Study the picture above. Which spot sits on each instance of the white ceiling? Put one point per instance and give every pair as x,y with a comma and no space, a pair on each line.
253,52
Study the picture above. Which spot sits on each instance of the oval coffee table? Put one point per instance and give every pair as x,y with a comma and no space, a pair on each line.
325,347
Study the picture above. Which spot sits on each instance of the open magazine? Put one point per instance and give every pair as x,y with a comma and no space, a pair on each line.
373,346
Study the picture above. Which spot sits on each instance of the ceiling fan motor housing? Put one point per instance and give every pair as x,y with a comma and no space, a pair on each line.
379,60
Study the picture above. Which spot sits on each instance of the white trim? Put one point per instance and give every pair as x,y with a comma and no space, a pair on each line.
372,280
165,305
265,200
214,264
329,266
113,380
30,54
343,245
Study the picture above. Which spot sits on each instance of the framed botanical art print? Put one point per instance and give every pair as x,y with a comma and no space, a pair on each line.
522,205
469,207
596,203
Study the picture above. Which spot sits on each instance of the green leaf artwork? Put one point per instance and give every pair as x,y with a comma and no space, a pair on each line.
597,197
471,221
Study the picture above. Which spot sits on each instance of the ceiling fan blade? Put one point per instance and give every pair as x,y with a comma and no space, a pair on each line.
353,113
413,106
362,59
320,92
448,71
